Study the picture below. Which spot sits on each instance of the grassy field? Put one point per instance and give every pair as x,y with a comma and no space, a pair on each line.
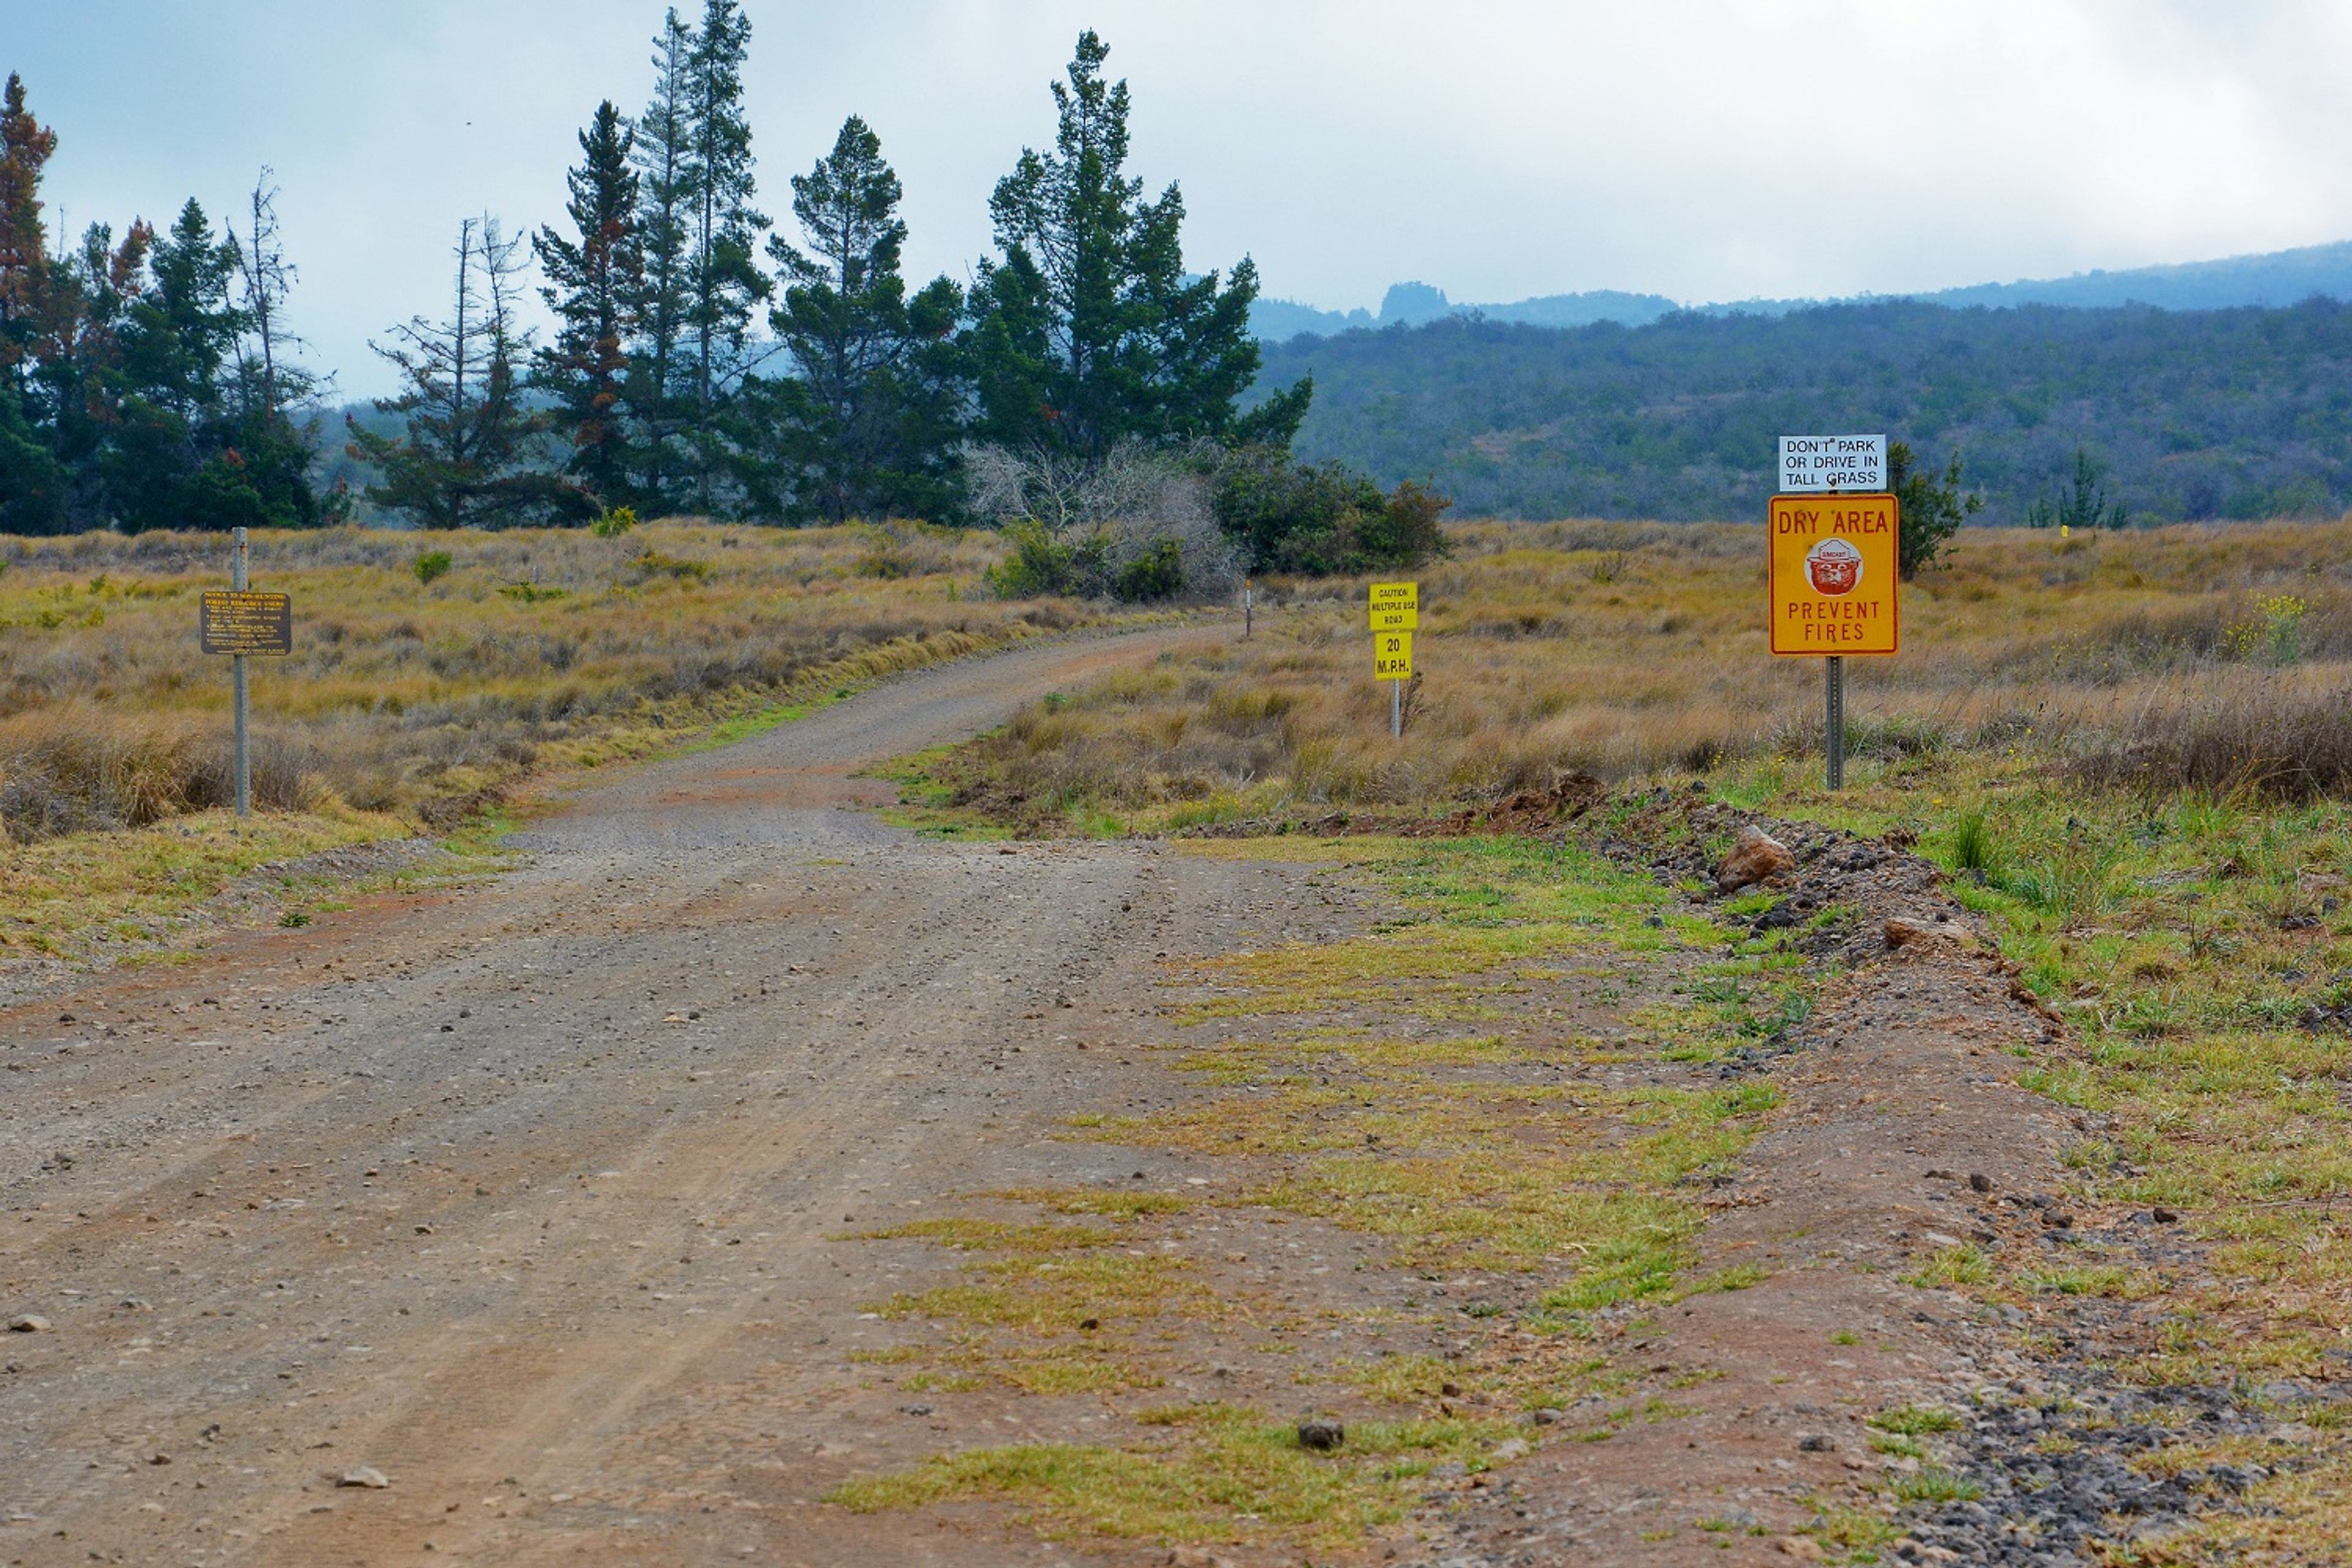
416,696
2178,655
2129,753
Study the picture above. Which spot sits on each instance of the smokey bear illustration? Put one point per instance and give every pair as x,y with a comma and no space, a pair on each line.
1834,566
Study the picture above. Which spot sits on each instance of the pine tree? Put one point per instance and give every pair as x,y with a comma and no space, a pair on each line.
726,282
78,383
666,206
33,483
26,148
594,284
170,460
1088,332
467,458
272,386
868,425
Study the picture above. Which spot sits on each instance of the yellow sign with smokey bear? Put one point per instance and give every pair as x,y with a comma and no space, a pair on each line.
1834,572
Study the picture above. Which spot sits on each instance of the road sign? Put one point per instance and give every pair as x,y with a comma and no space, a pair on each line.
1833,562
1396,606
240,621
1814,464
1392,655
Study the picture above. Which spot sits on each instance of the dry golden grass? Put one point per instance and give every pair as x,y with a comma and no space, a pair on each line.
1624,649
536,647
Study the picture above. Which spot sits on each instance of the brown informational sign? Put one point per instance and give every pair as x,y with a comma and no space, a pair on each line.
1834,576
234,620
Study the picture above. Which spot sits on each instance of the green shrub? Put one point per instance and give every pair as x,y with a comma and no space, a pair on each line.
1156,573
1040,564
431,564
615,523
1323,520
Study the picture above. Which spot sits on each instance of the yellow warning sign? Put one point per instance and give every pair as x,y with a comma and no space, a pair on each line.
1392,655
1394,596
1834,560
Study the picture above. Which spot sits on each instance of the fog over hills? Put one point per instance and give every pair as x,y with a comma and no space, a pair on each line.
2277,278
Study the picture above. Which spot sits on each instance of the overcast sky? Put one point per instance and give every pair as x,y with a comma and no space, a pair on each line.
1703,151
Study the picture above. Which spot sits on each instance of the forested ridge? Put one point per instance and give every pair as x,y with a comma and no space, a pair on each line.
2184,415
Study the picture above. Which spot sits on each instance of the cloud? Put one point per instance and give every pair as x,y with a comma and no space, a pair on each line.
1708,152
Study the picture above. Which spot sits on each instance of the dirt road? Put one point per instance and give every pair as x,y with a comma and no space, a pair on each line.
515,1194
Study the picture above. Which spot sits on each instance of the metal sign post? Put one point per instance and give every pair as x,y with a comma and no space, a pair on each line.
239,622
237,582
1835,666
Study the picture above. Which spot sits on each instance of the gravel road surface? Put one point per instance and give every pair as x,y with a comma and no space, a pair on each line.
514,1195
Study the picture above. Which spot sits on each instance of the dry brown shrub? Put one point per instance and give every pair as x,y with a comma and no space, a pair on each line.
76,768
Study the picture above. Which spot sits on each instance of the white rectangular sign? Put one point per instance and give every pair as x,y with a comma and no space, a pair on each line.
1832,463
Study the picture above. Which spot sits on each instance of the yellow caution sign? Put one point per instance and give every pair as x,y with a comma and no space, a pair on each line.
1392,655
1833,560
1396,606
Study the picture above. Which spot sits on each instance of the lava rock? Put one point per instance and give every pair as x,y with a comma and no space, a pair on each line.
1322,1436
1754,856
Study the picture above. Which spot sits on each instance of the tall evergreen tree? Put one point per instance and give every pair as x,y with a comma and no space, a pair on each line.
663,150
171,459
465,458
26,148
33,484
79,376
725,278
272,386
868,424
1088,331
594,285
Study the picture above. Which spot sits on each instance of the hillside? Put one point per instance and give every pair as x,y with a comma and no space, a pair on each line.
2271,279
2193,414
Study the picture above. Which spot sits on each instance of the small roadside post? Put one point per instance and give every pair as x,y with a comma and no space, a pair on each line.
241,624
1249,603
1834,542
1395,615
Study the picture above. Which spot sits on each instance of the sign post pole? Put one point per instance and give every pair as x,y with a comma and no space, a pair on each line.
244,756
1249,607
1396,710
1836,730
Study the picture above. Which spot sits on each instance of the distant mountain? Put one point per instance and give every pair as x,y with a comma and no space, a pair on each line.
2277,278
1418,304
